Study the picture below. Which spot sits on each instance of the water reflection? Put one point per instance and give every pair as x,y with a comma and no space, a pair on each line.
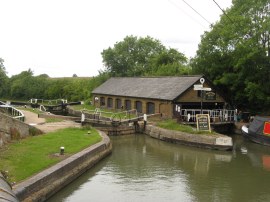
145,169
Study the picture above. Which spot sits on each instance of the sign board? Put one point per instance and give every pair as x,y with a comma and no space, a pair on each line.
203,122
200,87
206,89
210,95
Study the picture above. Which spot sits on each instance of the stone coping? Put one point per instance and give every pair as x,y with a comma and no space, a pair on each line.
46,183
219,141
6,193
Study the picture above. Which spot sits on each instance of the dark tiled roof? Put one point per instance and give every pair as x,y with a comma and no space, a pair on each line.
165,88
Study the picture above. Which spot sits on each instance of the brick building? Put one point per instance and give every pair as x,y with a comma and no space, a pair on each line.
150,95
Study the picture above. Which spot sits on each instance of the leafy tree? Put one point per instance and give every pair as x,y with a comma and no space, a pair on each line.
143,56
235,54
3,79
21,84
131,57
25,86
169,62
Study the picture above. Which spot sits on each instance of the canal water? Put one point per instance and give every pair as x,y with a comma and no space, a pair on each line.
145,169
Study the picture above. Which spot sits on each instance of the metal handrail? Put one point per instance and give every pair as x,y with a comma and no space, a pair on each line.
56,101
13,112
97,112
223,115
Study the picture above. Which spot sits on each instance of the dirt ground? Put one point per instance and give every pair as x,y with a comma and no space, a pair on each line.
32,118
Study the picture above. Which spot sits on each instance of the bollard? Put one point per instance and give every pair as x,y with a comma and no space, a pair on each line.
62,150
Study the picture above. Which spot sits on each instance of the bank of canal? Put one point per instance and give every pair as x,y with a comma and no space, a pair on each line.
145,169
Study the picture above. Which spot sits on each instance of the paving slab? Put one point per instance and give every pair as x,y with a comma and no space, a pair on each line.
32,118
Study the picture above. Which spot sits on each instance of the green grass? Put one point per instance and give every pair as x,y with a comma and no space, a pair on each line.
24,158
83,106
173,125
52,120
36,111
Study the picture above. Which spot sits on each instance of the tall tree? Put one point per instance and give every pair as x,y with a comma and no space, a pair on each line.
235,54
3,79
168,63
143,56
131,57
22,85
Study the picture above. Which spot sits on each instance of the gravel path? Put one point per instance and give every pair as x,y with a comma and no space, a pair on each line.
32,118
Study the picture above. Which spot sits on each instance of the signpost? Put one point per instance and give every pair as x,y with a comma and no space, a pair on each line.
203,122
201,88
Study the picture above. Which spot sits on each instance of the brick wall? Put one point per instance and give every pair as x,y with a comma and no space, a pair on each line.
164,107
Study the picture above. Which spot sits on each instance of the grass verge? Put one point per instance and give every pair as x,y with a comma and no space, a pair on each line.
26,157
171,124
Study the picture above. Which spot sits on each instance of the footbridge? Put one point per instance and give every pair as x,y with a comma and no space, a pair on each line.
113,119
119,123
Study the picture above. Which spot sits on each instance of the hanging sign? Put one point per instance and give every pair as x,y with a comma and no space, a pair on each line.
203,122
210,95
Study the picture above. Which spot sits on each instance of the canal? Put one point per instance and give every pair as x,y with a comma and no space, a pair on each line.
145,169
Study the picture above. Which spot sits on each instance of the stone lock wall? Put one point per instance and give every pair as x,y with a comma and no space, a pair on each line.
217,141
12,129
46,183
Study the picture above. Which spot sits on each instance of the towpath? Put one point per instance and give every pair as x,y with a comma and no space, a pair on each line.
32,118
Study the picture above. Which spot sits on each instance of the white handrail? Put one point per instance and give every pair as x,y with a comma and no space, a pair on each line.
13,112
223,115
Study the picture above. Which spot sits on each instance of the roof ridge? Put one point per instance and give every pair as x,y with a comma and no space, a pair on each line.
158,76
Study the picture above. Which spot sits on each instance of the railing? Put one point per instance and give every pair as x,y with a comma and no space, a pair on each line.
216,115
113,116
42,108
11,111
42,101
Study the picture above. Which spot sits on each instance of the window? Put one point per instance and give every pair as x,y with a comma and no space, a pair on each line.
110,103
128,104
150,108
102,101
138,105
118,103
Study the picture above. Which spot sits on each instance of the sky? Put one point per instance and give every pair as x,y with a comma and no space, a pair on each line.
65,37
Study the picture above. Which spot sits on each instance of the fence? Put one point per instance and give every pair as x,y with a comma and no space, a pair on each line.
11,111
97,114
216,115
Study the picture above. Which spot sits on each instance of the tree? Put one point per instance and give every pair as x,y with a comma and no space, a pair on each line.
167,63
131,57
3,79
22,85
235,54
143,56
